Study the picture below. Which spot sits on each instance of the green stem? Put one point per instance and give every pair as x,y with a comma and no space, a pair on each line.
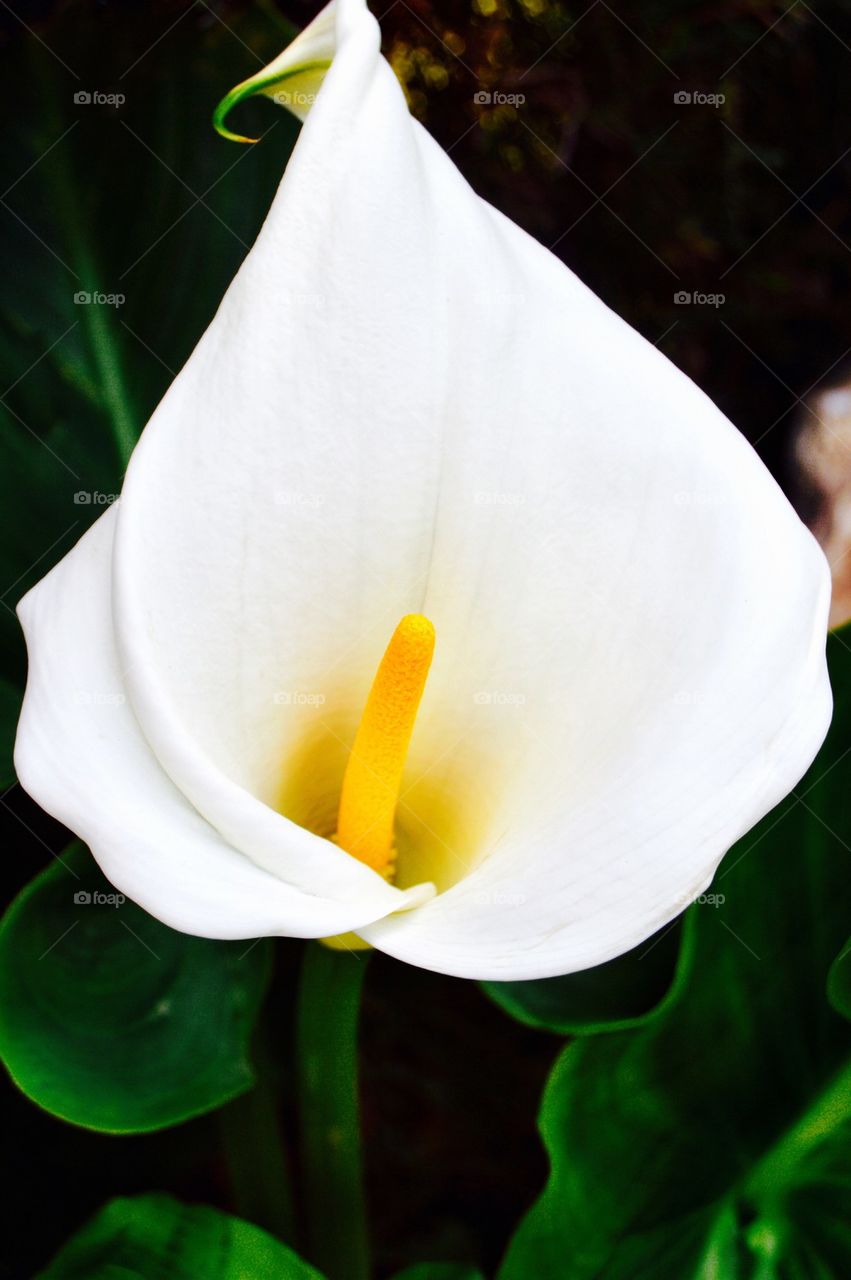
96,325
327,1022
105,354
251,1135
831,1110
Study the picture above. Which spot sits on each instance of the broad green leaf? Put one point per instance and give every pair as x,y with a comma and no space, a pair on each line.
154,1237
714,1141
112,1020
611,997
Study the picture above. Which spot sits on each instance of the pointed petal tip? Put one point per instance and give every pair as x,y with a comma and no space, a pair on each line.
265,84
223,110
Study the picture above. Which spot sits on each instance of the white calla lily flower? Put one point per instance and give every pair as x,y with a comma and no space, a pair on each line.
406,406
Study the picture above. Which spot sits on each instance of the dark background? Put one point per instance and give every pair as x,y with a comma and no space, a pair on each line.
642,196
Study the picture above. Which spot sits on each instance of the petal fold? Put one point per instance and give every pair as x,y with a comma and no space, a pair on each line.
81,754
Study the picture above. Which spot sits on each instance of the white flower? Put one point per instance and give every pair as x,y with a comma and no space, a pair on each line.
406,405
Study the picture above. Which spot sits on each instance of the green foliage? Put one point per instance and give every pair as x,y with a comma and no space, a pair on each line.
839,982
715,1140
611,997
154,1237
112,1020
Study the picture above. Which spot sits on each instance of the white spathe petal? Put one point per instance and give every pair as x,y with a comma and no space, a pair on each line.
403,404
81,754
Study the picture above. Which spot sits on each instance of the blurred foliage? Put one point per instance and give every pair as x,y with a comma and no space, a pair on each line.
128,1025
155,1238
839,982
618,995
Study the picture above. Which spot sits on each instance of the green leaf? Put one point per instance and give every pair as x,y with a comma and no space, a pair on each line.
714,1141
111,1020
154,1237
611,997
839,981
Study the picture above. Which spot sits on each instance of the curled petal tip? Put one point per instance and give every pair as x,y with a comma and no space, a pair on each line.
223,110
267,83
